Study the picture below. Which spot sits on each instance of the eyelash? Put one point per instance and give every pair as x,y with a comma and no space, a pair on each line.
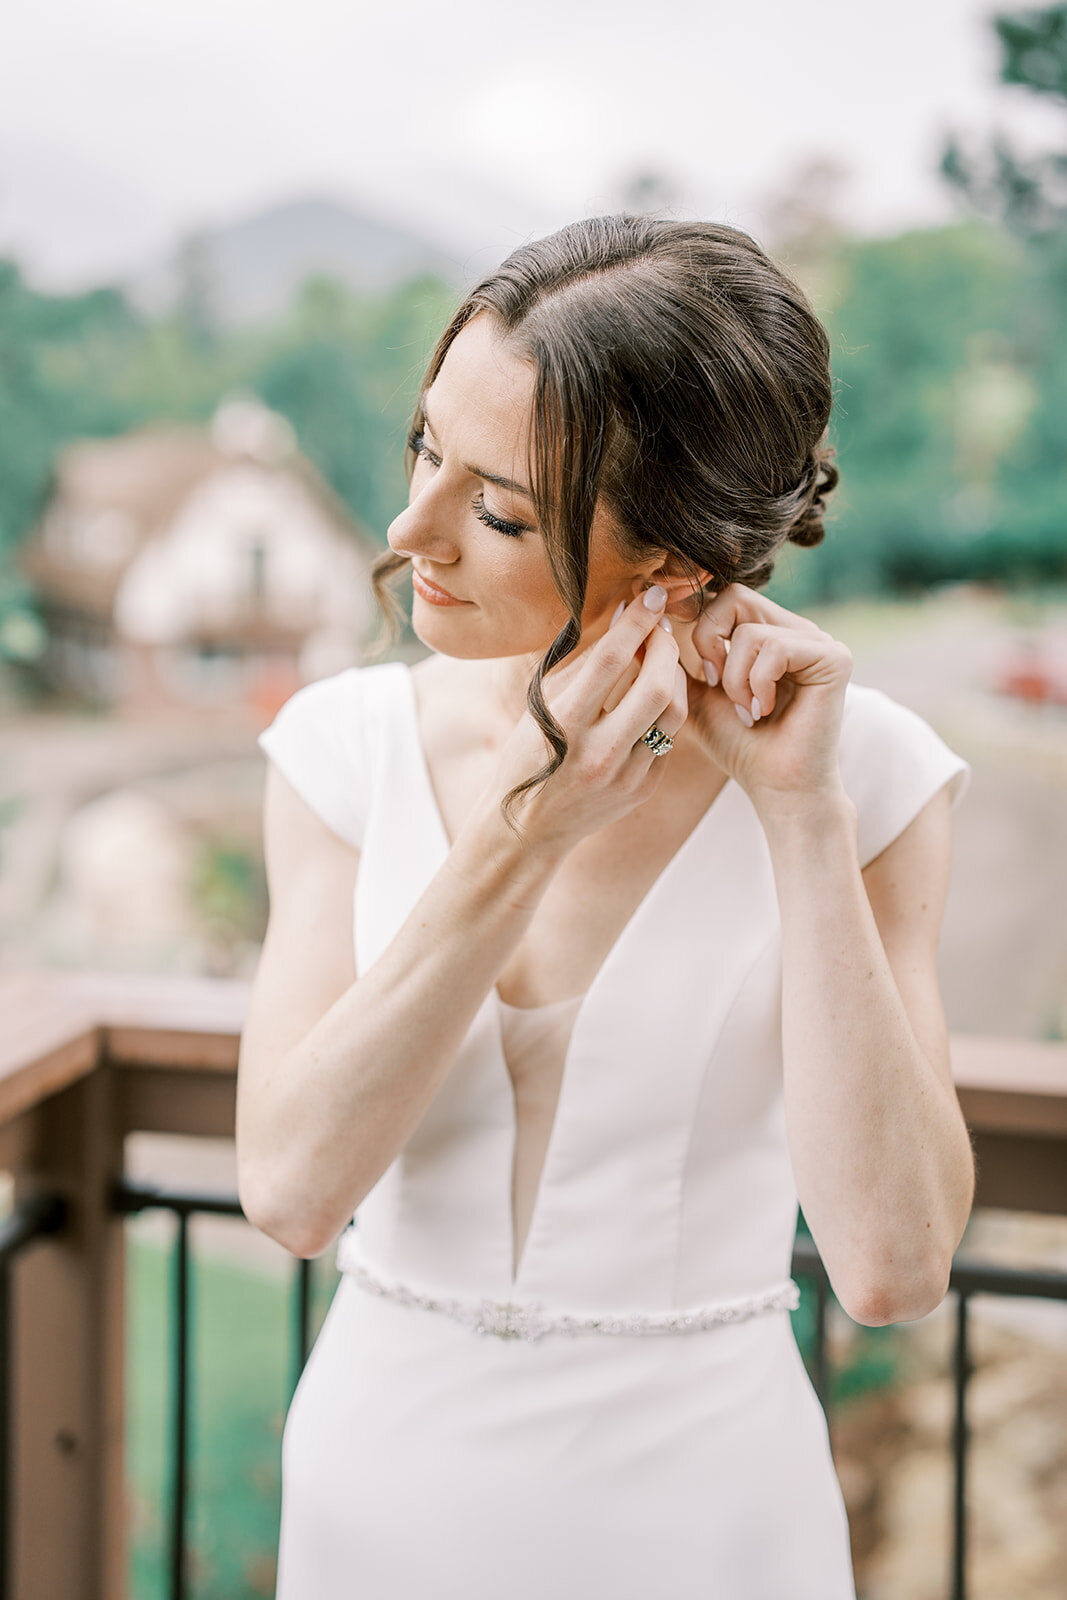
513,530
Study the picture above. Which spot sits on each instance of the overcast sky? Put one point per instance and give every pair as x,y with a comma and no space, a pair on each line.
125,122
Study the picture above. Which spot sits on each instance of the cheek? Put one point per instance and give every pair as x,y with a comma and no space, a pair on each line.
519,587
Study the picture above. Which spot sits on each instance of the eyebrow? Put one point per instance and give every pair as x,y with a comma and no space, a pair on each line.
477,472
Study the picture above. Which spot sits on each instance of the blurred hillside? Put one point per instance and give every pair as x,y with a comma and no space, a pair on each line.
253,267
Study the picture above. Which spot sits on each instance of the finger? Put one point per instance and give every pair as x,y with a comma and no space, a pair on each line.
745,644
651,695
751,605
769,665
737,604
643,761
713,652
761,656
615,653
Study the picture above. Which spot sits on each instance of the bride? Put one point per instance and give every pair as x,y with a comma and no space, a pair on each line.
598,940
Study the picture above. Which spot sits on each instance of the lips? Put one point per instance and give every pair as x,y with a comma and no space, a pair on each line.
433,591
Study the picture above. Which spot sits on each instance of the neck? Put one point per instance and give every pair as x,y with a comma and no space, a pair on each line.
510,676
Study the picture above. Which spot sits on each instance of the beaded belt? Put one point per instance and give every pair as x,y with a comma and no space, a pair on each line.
527,1320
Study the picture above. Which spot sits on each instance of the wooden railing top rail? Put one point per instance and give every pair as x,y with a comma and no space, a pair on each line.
55,1027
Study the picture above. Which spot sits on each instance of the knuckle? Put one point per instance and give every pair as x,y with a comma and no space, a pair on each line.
615,656
663,690
597,766
648,708
748,635
733,674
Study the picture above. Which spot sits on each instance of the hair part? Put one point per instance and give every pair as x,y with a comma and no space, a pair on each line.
682,380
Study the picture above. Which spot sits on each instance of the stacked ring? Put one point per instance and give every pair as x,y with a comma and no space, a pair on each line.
658,741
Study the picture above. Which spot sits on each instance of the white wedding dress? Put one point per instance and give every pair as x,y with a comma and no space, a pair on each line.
541,1459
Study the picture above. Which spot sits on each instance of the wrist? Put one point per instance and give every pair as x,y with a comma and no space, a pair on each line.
503,860
806,811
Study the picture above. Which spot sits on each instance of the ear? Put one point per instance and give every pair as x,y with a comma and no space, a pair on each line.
670,575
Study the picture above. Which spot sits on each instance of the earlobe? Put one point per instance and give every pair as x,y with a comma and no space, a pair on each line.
679,587
677,576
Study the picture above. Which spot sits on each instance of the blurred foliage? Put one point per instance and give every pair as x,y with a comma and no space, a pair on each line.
1027,193
228,887
949,350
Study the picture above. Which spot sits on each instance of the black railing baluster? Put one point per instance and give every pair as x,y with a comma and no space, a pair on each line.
822,1376
807,1264
180,1395
961,1371
301,1302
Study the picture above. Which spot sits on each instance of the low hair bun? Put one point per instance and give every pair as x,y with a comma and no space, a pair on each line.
809,529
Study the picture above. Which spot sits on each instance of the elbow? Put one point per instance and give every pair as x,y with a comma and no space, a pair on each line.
885,1298
301,1236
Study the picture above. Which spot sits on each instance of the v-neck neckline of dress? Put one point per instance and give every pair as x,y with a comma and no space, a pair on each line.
655,888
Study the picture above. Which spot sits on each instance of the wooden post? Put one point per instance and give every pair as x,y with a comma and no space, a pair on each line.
68,1346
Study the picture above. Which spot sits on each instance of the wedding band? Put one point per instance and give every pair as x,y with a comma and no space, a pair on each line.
658,741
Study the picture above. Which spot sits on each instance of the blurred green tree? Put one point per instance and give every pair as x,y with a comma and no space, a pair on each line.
57,360
950,364
1026,192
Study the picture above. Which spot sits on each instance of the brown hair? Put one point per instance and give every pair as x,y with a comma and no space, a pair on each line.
682,379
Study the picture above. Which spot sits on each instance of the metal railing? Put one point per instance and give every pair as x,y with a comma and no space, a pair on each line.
91,1060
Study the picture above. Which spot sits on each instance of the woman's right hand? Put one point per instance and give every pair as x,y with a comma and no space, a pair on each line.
605,698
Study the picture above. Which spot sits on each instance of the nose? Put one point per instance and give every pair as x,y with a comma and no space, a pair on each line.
424,528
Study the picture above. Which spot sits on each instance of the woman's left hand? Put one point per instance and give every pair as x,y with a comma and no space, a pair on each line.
794,672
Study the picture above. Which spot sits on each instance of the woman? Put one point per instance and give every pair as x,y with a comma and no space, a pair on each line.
645,927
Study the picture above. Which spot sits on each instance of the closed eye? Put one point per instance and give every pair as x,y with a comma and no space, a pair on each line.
512,529
417,443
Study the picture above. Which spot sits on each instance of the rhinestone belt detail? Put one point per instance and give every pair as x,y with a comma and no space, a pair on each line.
527,1320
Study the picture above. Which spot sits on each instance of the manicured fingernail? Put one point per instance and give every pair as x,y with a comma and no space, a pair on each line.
656,597
619,609
756,712
665,624
746,716
711,672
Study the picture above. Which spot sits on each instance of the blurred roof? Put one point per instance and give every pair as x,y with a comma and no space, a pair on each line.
142,478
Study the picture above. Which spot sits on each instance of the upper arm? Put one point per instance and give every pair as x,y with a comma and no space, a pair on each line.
907,886
307,960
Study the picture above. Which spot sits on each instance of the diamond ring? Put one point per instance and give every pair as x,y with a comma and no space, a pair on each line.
658,741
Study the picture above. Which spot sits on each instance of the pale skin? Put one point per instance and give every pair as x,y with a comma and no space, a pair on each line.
336,1074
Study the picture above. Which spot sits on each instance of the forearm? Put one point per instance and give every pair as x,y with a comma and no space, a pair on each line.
880,1152
347,1098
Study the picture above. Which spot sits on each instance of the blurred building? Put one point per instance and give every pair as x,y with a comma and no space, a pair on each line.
191,566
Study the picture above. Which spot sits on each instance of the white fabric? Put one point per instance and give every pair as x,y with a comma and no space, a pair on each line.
316,739
420,1458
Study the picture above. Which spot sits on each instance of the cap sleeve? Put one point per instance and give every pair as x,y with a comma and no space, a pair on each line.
317,741
892,763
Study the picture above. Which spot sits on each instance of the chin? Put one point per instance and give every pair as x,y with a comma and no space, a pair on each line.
448,635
